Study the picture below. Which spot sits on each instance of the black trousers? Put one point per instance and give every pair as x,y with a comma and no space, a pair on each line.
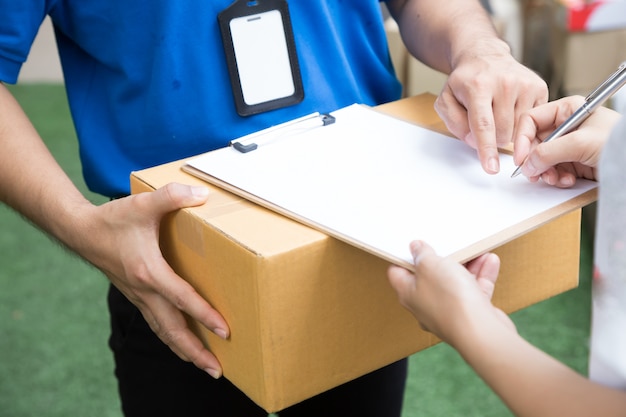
154,382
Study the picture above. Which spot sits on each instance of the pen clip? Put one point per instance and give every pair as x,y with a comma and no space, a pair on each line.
600,89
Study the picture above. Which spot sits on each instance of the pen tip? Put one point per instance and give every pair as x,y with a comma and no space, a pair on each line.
516,172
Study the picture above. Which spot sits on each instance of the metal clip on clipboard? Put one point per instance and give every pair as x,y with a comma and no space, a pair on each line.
250,142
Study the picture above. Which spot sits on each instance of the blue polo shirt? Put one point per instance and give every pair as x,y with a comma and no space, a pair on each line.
147,80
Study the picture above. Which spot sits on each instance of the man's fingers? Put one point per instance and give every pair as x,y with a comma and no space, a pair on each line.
171,327
174,196
475,126
505,107
453,114
184,297
188,347
483,131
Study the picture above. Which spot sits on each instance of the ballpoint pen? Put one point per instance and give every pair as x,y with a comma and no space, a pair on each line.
594,100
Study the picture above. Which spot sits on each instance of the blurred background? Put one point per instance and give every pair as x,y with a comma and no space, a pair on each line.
53,319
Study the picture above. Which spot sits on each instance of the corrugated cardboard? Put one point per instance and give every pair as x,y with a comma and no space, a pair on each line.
308,312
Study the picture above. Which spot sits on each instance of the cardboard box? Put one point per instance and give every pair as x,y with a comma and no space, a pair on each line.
308,312
582,60
591,15
588,43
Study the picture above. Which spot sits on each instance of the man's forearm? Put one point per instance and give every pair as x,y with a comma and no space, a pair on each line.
31,181
439,32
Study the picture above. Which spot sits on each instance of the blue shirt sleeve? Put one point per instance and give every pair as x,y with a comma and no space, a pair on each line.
19,25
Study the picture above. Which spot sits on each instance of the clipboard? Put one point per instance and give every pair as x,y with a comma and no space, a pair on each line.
378,182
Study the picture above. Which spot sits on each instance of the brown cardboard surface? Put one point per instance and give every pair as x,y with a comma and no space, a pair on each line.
308,312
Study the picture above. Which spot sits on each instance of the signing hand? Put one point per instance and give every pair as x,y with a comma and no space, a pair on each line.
575,155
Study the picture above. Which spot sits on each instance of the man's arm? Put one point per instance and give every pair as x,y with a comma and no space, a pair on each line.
487,89
120,237
437,33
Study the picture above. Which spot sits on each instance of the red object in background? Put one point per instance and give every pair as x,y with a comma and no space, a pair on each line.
578,15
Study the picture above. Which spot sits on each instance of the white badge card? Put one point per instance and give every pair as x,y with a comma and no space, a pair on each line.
261,55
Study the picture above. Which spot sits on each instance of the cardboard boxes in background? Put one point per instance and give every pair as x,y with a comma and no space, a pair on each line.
588,44
582,60
308,312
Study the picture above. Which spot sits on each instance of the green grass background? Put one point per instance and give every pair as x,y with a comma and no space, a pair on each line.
54,358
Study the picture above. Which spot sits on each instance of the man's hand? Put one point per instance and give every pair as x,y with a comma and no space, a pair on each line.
125,245
483,99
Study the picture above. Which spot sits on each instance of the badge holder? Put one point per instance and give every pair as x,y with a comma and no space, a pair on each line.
261,55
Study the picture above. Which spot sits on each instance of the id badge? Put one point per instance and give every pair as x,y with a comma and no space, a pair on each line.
261,55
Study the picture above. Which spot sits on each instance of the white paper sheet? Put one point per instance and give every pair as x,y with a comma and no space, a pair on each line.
378,183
